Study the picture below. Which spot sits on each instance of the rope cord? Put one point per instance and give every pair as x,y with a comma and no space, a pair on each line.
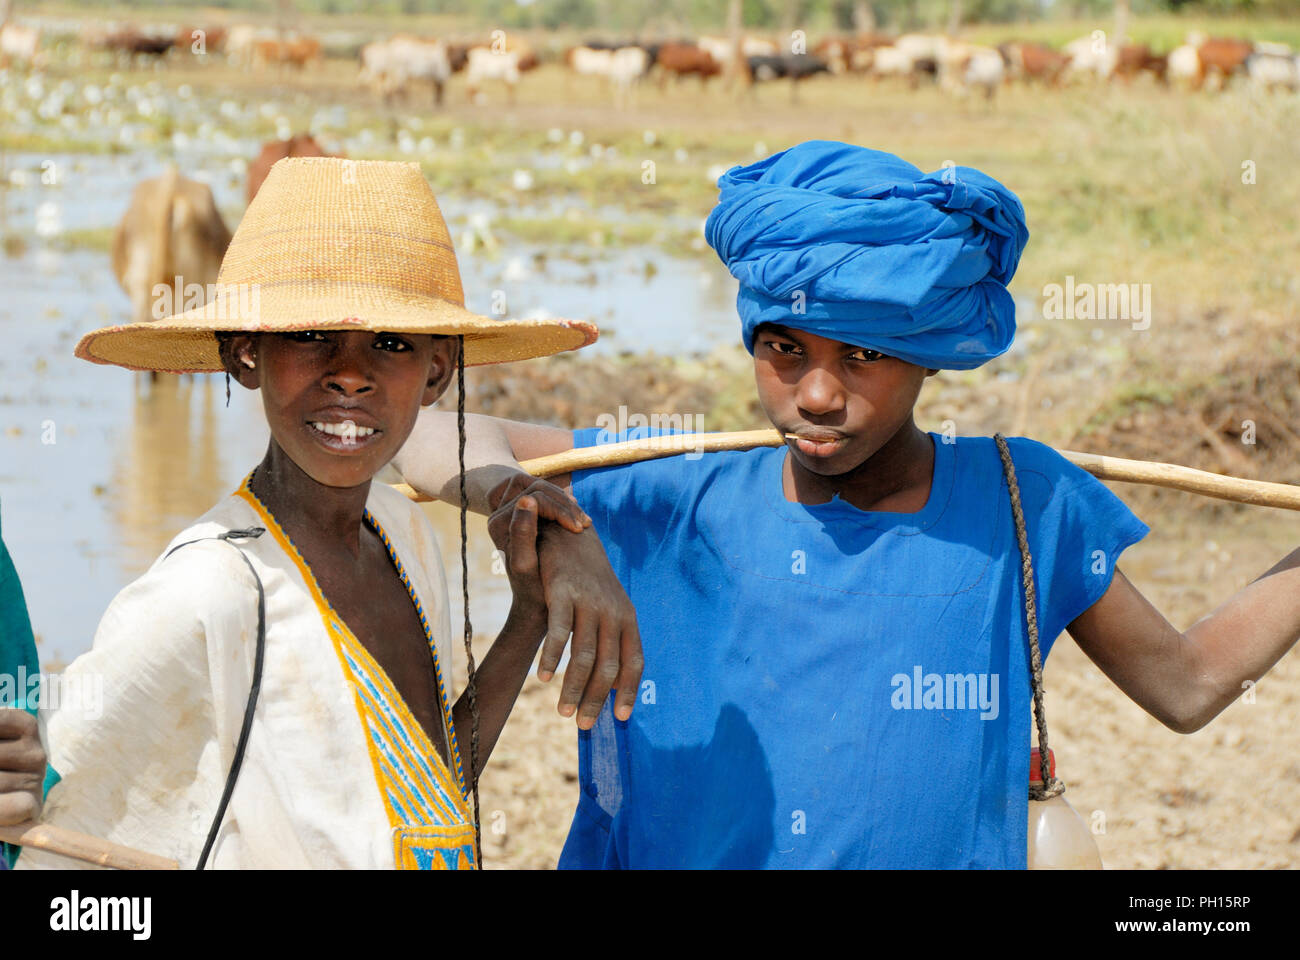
259,655
1050,787
471,687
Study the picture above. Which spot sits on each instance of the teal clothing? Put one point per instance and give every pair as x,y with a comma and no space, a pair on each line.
17,652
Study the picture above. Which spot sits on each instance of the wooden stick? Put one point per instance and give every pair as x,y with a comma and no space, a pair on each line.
1239,490
79,846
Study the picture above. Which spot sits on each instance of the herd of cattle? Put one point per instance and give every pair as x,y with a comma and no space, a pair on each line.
402,65
953,64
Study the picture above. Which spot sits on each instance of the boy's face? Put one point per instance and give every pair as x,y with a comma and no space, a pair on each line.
844,402
341,403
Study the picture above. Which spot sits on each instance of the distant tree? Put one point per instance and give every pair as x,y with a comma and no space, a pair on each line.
579,14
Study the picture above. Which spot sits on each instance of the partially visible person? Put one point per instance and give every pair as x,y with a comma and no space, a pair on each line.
278,681
22,760
837,631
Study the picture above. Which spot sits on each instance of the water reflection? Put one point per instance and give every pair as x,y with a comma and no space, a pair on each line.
169,470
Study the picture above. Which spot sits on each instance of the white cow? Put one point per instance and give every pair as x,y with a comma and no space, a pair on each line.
390,66
984,70
1090,57
18,43
242,40
483,64
1271,71
1184,67
723,51
589,62
891,62
622,68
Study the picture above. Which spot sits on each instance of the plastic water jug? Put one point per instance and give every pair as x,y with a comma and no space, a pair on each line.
1059,839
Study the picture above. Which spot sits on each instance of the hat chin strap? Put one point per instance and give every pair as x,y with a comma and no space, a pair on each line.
471,687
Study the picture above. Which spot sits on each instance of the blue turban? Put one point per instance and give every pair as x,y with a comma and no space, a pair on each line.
859,246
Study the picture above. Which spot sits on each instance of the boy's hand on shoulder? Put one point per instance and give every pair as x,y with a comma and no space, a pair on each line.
584,598
22,767
513,528
553,503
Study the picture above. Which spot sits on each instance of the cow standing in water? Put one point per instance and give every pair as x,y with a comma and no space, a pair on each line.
299,145
173,236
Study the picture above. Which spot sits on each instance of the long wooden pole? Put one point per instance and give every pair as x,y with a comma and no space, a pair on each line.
1256,492
80,846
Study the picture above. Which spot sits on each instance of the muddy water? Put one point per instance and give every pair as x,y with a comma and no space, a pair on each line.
99,468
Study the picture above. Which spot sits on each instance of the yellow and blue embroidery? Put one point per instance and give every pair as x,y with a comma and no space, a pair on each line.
426,806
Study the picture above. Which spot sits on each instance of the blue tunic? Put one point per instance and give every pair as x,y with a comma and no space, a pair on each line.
826,686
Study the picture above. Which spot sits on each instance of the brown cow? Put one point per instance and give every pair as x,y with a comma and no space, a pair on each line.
171,238
213,39
1223,56
1133,58
296,53
1034,62
299,145
851,54
682,59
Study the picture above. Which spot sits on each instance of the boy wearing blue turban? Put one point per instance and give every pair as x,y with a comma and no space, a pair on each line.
836,664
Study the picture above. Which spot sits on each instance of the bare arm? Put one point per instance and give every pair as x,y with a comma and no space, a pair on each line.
501,675
493,448
583,595
1185,680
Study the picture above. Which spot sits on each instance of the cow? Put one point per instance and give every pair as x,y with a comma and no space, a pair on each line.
390,66
723,50
299,145
1222,57
1090,57
18,43
684,59
1033,62
795,67
132,43
889,61
171,230
1134,58
241,40
1183,67
1270,71
910,57
964,67
851,54
213,39
485,64
620,66
296,52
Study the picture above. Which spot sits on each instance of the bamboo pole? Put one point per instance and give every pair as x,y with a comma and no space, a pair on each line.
1255,492
80,846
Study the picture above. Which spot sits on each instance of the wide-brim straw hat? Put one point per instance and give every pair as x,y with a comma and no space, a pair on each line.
333,244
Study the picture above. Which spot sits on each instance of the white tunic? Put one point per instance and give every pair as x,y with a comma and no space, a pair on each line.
336,773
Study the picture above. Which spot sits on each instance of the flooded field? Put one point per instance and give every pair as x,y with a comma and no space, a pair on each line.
110,464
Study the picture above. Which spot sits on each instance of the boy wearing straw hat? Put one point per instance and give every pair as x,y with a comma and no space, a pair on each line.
276,686
840,633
